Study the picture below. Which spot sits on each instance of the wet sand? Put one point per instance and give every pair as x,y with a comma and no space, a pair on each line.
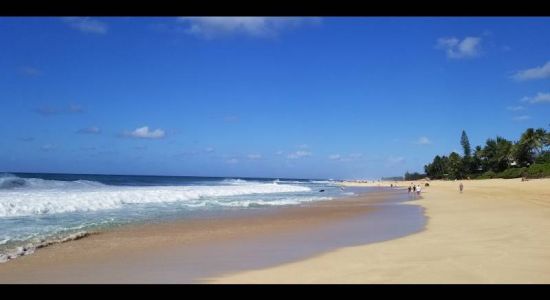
200,249
496,231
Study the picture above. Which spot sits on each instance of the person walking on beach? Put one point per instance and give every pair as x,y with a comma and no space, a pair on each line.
418,190
461,187
410,188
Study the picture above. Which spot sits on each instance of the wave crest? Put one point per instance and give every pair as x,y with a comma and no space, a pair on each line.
51,197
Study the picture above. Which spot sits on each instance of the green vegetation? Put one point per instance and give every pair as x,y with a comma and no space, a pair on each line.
395,178
498,158
414,176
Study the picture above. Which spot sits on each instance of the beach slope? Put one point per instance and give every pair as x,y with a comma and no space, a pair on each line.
497,231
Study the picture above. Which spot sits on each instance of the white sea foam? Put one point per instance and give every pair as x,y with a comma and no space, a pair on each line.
322,181
31,247
39,197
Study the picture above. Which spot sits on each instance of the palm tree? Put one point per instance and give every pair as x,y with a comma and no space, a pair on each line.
531,144
497,154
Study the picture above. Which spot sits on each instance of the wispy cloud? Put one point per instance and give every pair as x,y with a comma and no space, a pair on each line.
254,156
89,130
298,154
145,133
356,155
423,141
393,160
212,27
521,118
533,73
209,149
29,71
538,98
345,158
334,156
52,110
87,25
515,108
48,147
74,108
279,152
232,161
455,48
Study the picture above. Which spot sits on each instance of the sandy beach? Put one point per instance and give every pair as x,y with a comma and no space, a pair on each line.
494,232
190,251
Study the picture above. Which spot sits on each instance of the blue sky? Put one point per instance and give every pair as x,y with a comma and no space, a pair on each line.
268,97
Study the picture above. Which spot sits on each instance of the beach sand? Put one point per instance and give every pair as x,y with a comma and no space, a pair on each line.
193,250
497,231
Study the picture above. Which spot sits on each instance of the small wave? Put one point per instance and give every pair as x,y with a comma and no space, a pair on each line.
236,181
9,181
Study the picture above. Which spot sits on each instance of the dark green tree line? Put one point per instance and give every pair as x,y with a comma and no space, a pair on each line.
498,155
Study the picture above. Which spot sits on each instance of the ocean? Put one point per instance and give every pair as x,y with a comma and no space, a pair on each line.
41,209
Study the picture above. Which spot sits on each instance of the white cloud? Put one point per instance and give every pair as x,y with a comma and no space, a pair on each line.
299,154
279,152
521,118
145,133
232,161
303,146
211,27
515,108
533,73
334,156
254,156
209,149
538,98
423,141
456,48
90,130
87,24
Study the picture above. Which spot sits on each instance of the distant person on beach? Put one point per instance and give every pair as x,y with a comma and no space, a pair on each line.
410,188
414,188
461,187
418,190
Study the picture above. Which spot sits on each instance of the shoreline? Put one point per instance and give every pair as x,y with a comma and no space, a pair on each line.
189,250
496,231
